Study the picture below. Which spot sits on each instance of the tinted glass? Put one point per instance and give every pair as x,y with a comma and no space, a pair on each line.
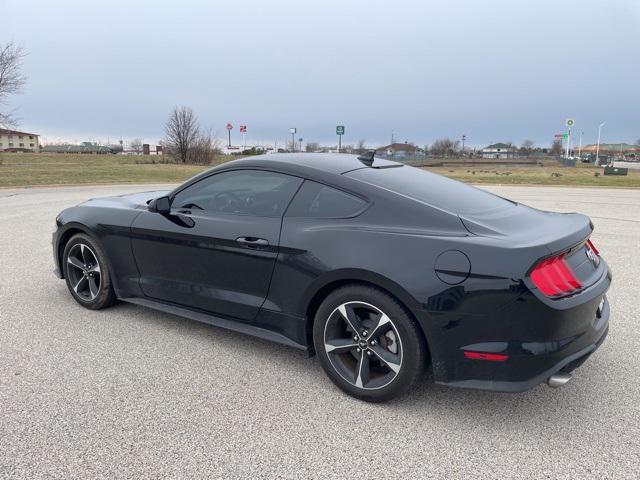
240,192
432,189
319,201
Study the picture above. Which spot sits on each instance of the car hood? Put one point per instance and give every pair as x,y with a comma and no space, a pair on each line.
129,201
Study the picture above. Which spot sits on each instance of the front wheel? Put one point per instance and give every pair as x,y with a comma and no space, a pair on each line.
367,343
87,273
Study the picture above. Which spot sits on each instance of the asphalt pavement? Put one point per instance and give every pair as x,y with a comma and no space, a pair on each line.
128,392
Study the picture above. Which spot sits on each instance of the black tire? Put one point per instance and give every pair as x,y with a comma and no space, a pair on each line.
345,364
86,272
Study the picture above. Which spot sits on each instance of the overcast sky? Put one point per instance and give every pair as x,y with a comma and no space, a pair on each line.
493,70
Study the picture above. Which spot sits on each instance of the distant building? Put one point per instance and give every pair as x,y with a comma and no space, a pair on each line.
14,141
85,147
613,149
499,150
400,150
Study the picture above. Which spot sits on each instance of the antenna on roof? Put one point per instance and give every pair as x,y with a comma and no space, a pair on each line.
367,158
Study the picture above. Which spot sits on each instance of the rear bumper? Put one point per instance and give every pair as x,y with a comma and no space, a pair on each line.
567,364
537,338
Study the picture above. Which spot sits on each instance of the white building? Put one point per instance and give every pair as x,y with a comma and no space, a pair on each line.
499,150
15,141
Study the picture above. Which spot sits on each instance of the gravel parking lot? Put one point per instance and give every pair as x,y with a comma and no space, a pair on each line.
132,393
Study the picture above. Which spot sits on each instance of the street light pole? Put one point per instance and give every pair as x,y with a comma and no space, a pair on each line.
598,145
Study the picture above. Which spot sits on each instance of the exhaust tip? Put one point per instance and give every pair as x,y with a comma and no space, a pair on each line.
558,380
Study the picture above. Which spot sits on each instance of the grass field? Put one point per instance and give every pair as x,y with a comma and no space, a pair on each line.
540,175
25,169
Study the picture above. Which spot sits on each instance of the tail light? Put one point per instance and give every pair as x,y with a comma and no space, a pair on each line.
492,357
554,277
593,247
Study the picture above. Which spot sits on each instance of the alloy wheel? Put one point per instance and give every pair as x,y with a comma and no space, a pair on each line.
84,272
363,345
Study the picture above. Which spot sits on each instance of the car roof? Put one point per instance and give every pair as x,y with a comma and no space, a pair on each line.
315,166
337,163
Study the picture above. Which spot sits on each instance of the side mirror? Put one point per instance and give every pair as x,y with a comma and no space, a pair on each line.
161,205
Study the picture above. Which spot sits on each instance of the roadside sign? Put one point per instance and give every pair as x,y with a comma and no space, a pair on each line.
292,131
229,128
340,130
570,122
243,129
564,136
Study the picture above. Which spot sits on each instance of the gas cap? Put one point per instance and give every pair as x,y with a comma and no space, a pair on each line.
452,267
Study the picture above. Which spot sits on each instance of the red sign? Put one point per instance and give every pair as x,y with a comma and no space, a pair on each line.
229,126
243,129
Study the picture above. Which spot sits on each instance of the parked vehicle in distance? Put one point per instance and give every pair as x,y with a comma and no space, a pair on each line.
377,267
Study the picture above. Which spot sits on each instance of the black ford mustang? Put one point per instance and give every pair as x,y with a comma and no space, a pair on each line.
378,267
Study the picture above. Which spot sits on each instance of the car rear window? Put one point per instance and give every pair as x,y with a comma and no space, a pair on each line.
432,189
319,201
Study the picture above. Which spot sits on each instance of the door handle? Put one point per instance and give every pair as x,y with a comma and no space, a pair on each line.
252,242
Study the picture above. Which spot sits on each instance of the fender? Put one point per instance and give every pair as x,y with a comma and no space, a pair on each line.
357,275
77,226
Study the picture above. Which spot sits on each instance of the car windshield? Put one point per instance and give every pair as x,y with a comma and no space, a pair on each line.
432,189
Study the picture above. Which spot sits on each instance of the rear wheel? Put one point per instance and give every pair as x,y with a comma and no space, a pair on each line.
86,273
367,343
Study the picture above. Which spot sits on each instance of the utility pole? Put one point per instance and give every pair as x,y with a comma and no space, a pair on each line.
598,145
568,143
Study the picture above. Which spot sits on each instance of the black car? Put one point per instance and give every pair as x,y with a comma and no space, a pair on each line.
378,267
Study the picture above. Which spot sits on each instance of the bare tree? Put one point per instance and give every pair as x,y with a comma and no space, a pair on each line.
527,147
136,145
11,78
203,149
445,147
181,132
556,147
361,147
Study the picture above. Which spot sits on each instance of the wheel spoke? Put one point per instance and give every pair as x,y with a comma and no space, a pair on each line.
80,285
390,360
349,314
340,345
93,287
75,262
362,377
384,324
87,257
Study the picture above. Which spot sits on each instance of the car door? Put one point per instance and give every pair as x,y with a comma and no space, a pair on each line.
215,251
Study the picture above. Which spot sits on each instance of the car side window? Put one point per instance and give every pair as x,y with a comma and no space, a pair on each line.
315,200
240,192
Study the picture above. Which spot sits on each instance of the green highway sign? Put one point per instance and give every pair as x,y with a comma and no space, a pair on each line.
340,130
